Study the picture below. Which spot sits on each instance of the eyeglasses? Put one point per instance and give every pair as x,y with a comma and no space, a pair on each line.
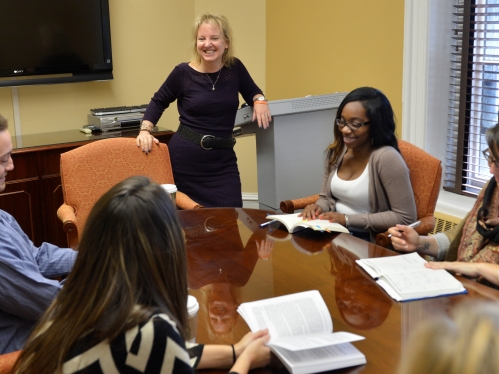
351,125
489,158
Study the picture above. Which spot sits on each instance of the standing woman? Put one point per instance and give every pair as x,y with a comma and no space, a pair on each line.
366,184
206,89
123,306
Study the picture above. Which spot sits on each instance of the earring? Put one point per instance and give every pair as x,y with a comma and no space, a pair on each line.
225,51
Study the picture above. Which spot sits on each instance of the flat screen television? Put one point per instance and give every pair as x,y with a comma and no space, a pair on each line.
54,41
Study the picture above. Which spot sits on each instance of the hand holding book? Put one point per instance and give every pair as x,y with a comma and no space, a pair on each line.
300,327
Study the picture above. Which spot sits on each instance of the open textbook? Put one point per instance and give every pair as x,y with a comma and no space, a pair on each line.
294,223
405,278
300,328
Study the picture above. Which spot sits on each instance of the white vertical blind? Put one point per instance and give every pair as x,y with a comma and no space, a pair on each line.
474,93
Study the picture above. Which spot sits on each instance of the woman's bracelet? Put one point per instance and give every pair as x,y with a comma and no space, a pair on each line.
260,102
145,127
233,354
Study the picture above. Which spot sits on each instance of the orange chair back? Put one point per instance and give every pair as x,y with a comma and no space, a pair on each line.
7,361
91,170
425,173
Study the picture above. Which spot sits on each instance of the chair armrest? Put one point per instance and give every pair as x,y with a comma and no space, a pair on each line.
426,226
383,240
289,206
184,202
66,214
7,361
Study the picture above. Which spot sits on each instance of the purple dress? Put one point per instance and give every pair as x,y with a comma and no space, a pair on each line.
209,177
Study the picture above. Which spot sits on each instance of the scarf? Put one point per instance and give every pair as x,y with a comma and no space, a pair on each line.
480,239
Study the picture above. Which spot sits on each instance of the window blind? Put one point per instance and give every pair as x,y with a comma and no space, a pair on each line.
474,93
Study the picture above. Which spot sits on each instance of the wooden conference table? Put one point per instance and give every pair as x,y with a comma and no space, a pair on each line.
232,260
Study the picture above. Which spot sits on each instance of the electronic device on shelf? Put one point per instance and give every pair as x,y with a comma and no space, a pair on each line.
119,110
115,122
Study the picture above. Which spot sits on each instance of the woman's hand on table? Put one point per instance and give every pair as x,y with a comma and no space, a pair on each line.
468,269
246,340
334,217
311,211
252,349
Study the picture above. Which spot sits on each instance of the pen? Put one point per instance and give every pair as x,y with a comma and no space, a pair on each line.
267,223
413,225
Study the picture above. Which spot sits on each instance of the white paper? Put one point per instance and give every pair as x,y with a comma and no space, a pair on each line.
299,343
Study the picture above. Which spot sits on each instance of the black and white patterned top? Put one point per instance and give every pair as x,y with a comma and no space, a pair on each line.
154,346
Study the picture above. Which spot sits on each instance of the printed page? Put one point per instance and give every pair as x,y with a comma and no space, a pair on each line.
421,284
297,314
292,220
298,343
377,267
321,359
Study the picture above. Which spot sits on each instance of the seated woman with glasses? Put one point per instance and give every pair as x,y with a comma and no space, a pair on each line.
366,184
476,238
123,307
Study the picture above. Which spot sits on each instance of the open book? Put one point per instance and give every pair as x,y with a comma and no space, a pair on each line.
300,328
294,223
405,278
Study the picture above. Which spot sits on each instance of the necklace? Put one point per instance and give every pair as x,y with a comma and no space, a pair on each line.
213,84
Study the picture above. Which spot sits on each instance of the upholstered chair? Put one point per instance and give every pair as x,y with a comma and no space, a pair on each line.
91,170
7,361
425,173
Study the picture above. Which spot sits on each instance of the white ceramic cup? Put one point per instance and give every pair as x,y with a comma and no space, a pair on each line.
192,311
171,189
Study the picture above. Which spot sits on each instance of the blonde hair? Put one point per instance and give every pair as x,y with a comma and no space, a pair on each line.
223,24
466,344
3,123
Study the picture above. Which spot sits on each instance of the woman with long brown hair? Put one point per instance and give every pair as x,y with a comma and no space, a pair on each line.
123,307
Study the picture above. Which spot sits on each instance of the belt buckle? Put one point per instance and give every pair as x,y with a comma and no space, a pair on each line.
203,138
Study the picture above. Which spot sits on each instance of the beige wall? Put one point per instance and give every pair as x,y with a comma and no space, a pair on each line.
149,37
248,25
292,48
322,46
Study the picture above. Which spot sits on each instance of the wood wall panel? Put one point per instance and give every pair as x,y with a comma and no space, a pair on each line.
21,201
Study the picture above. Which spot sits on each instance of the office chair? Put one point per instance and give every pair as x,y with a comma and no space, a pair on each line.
425,172
91,170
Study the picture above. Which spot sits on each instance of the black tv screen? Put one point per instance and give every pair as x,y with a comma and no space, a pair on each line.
42,38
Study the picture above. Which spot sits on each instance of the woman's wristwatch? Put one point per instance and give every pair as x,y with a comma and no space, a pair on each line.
346,220
145,127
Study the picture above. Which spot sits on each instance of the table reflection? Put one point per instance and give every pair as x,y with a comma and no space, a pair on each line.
361,302
220,273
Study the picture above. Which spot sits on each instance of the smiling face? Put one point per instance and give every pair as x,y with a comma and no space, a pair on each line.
211,44
6,163
354,112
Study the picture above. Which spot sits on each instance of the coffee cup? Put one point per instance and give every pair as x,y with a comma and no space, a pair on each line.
171,189
192,311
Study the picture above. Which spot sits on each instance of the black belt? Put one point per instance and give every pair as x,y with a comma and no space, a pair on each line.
205,141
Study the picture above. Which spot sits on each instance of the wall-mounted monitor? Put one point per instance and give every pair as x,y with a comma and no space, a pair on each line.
54,41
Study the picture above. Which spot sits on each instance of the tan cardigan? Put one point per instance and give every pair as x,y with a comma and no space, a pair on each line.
390,192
